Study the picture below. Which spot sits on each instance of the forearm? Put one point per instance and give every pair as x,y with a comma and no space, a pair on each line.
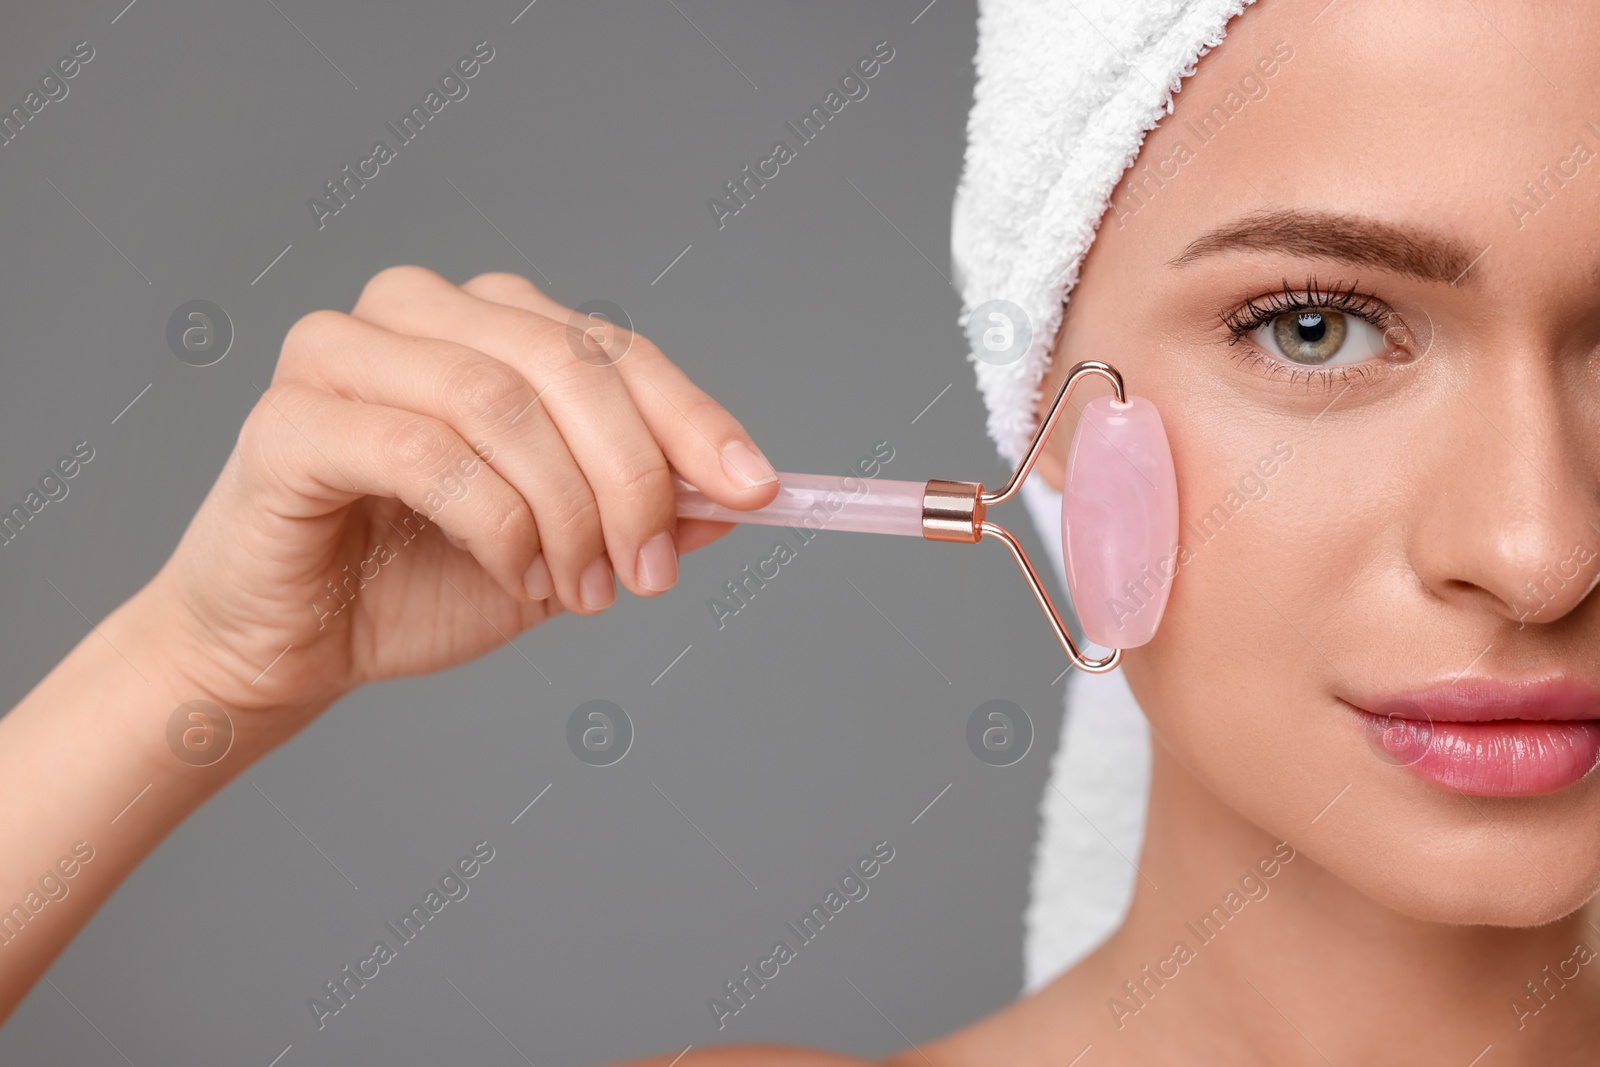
89,785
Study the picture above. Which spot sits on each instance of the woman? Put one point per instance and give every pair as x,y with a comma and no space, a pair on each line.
1369,318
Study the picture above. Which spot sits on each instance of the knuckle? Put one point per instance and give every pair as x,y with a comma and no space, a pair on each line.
515,526
546,339
396,288
255,429
574,384
396,283
260,435
417,444
701,410
641,477
503,285
579,343
576,514
483,389
642,348
274,410
312,334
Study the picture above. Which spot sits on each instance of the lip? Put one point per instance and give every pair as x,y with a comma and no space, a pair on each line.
1488,736
1485,699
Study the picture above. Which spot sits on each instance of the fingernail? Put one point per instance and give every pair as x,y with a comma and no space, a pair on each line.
537,581
746,466
595,586
454,540
658,563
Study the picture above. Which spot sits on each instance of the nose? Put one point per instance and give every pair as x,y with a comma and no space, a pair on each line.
1510,511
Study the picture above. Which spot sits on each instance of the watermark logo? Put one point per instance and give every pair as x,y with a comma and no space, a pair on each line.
600,333
1536,195
49,489
1139,186
1000,733
999,332
1542,989
1407,332
741,191
450,488
341,189
599,733
1400,735
199,733
1550,580
741,989
50,88
52,888
824,505
1252,887
199,333
452,887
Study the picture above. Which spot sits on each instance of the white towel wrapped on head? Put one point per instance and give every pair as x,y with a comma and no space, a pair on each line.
1066,91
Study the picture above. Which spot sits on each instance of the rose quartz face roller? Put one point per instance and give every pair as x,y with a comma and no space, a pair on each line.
1119,515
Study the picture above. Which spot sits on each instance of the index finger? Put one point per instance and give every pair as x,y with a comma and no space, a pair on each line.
700,438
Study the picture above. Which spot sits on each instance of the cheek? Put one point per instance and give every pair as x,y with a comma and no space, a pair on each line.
1235,681
1294,596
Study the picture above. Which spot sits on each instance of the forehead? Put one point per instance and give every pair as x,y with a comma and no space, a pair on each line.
1481,118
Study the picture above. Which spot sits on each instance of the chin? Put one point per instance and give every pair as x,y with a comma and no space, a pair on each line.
1494,889
1451,858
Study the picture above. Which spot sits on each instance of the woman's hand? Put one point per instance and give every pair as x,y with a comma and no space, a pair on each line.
320,559
427,477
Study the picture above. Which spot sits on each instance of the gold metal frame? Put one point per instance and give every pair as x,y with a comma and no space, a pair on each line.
958,511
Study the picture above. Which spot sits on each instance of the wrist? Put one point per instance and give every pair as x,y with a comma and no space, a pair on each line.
208,721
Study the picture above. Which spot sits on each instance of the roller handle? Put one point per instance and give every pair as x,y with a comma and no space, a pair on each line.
1119,515
822,502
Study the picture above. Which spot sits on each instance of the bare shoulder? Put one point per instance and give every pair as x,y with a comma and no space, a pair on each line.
754,1056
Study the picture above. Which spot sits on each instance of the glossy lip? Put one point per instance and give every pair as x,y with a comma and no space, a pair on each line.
1489,737
1485,699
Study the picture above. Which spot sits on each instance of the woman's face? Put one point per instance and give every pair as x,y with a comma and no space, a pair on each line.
1358,273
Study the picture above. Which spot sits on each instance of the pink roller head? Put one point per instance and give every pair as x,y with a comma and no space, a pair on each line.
1119,521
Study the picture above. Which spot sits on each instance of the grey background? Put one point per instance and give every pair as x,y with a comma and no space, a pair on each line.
790,741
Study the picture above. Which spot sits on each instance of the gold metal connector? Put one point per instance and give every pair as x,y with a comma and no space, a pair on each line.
953,511
958,511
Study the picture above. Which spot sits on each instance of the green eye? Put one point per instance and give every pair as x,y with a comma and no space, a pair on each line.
1318,337
1309,336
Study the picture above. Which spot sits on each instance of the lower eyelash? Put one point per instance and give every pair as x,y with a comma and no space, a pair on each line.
1348,373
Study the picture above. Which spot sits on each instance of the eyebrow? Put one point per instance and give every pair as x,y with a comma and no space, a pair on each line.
1329,235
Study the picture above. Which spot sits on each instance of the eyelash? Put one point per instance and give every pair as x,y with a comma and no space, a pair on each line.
1257,312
